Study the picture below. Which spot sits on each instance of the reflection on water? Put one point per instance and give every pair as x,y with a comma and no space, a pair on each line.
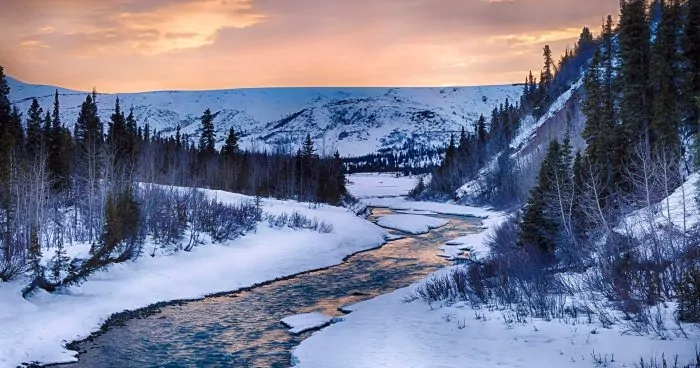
242,329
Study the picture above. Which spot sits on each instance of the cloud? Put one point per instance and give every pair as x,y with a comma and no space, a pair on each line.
130,26
128,45
30,44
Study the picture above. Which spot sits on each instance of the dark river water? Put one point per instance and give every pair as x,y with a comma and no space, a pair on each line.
242,329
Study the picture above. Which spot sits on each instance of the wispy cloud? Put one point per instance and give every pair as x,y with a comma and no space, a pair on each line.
126,45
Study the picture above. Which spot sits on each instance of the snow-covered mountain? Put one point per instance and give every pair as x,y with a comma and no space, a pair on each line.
355,121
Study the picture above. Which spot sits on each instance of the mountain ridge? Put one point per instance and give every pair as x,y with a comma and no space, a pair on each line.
353,120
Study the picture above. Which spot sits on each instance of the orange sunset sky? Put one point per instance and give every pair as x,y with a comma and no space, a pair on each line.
140,45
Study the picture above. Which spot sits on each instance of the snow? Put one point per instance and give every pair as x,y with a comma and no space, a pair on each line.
475,243
402,204
380,185
529,127
387,332
355,121
36,329
304,322
412,224
680,209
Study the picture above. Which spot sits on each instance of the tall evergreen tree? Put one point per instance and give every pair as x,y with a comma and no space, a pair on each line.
634,40
230,147
207,140
691,53
664,79
34,130
308,150
540,226
89,141
59,143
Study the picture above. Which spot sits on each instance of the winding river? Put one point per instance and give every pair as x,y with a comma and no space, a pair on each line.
242,329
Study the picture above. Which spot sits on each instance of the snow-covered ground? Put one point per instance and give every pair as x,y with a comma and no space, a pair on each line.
307,321
680,210
474,243
388,331
367,185
412,224
38,328
403,204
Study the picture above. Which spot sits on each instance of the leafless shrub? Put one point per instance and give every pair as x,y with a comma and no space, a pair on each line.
228,221
656,362
298,221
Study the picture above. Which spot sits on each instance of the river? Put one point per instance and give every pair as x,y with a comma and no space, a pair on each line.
242,329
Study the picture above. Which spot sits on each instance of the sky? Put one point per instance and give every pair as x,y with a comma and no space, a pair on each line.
145,45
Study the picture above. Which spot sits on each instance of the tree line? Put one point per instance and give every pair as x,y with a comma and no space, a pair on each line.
604,212
105,183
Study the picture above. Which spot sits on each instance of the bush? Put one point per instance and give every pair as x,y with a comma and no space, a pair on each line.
298,221
165,214
228,221
452,286
689,296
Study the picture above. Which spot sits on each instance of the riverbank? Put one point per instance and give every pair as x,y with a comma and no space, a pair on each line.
398,330
243,328
37,329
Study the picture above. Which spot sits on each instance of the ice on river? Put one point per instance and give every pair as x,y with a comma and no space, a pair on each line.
307,321
412,224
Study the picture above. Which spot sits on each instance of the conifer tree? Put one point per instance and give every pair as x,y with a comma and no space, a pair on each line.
634,40
308,150
34,130
89,140
59,143
540,225
59,263
691,53
207,140
230,147
35,254
664,79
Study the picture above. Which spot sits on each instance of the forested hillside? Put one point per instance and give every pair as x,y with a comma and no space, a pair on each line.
97,184
603,202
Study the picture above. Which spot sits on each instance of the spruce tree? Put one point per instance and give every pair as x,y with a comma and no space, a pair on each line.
207,140
35,267
230,147
308,150
34,130
59,143
89,142
664,77
691,53
59,263
634,40
540,225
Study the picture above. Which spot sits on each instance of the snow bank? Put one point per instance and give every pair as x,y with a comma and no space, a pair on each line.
402,204
307,321
412,224
38,328
386,332
680,210
475,243
380,185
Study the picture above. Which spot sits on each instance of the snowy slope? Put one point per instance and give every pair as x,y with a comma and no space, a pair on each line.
356,121
388,331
